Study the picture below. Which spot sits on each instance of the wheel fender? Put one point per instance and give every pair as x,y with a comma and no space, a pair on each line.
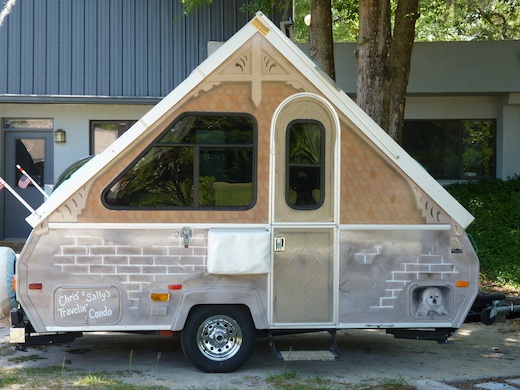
221,296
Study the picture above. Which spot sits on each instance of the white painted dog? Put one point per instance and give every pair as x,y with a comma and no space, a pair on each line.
431,303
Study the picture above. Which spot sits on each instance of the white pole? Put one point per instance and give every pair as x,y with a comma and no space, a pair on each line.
32,181
22,201
6,10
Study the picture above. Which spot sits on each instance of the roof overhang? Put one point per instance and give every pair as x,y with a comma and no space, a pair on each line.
77,99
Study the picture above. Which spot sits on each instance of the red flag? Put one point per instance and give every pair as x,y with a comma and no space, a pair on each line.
24,182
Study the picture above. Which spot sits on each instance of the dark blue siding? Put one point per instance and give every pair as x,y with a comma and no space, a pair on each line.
100,28
13,58
65,33
27,52
91,48
78,46
51,69
129,48
40,47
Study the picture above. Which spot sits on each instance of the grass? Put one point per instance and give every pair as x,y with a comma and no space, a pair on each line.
281,378
55,377
102,381
291,380
8,379
25,358
396,384
495,204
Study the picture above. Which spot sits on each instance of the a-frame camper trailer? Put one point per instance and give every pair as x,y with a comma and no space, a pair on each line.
256,196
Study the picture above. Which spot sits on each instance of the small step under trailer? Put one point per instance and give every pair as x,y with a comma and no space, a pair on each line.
256,199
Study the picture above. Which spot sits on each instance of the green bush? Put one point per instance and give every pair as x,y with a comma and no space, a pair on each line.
495,204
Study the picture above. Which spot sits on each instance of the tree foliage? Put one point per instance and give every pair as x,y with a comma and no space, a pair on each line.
345,19
385,31
440,20
460,20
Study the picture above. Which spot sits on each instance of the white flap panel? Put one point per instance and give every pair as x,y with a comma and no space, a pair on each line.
238,251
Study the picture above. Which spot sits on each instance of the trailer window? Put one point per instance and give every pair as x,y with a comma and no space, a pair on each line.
200,161
305,164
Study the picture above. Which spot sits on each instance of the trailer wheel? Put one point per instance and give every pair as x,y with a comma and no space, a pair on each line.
218,338
485,317
7,293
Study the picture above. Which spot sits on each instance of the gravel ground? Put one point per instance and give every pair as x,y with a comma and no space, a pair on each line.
477,353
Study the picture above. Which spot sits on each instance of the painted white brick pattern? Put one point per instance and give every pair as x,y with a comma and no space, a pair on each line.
135,266
424,267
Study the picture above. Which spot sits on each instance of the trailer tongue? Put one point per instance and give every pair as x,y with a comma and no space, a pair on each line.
490,307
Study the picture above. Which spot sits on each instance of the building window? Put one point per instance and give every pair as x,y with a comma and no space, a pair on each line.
305,164
200,161
28,124
453,149
103,133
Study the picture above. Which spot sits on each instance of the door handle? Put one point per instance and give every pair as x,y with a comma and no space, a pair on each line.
279,244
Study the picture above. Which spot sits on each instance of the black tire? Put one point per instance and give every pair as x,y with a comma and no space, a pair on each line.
218,338
7,294
485,317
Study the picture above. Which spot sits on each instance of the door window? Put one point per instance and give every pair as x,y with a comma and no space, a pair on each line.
30,155
28,124
305,164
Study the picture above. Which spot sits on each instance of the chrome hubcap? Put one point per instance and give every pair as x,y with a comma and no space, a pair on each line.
219,338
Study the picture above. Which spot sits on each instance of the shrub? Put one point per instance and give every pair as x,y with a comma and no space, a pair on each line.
495,204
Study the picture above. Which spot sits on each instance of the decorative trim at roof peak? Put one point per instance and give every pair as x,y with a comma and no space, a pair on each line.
253,63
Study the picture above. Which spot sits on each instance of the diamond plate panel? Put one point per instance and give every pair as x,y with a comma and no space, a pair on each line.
302,277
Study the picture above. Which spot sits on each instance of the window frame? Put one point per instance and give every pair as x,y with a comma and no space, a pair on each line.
288,165
151,145
460,138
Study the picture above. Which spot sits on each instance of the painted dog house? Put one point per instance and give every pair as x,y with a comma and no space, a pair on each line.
255,196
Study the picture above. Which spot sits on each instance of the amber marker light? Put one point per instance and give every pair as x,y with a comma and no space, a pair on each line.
159,296
462,283
14,283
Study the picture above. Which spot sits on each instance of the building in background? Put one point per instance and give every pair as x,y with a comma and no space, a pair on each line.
74,75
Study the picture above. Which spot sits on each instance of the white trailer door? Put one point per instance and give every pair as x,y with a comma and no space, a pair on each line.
304,214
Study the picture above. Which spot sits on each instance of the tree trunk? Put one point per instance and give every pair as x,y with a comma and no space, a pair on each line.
399,61
321,43
372,54
384,61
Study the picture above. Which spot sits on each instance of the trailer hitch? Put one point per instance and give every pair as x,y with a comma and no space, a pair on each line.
504,307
